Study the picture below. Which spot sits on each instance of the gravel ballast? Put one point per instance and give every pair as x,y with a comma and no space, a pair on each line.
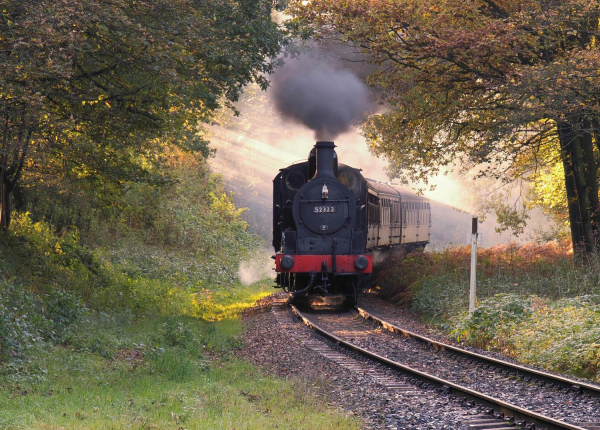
280,345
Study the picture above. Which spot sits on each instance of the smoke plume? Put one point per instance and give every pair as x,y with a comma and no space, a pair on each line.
325,99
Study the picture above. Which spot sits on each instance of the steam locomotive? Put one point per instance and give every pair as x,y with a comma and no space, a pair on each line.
328,219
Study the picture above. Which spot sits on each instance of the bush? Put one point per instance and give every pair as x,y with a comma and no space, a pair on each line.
179,334
63,309
562,336
558,335
20,322
440,296
168,249
27,320
493,321
437,283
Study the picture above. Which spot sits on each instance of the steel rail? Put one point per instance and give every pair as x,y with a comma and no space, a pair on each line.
561,381
450,387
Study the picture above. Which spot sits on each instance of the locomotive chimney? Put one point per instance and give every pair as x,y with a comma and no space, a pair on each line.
326,160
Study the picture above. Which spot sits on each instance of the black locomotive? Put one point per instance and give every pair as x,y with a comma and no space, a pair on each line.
327,220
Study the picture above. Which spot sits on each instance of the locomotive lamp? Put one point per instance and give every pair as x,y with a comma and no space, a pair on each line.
324,192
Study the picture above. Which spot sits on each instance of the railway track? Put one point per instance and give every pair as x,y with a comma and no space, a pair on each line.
516,370
362,334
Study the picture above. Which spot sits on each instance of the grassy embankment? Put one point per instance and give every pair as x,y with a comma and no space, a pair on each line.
534,302
129,316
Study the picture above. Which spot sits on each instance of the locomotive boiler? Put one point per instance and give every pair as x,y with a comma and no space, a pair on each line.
327,221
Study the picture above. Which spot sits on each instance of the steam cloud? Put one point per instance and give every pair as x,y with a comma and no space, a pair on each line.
257,268
325,99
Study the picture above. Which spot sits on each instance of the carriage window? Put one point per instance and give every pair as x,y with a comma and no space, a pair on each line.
373,209
395,214
386,212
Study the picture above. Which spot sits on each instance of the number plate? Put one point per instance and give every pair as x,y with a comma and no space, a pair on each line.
324,209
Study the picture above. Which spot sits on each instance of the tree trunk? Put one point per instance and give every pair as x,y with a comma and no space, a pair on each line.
5,206
578,165
596,132
591,179
572,205
579,219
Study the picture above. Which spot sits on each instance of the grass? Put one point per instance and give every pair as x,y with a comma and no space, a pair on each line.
143,373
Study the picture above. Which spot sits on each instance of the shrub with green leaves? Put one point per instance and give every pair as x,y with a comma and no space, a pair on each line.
557,335
493,321
27,320
562,336
20,324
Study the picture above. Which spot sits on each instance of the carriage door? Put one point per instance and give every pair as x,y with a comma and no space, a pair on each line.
395,227
373,215
404,220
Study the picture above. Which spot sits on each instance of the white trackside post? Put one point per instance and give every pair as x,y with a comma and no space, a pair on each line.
472,290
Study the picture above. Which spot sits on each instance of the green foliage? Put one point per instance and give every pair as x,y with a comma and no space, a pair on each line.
562,336
491,323
27,320
509,216
19,331
169,250
440,296
441,285
484,81
98,92
178,334
49,260
548,193
63,309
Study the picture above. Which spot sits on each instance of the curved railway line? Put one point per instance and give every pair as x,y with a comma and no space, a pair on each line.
506,394
593,391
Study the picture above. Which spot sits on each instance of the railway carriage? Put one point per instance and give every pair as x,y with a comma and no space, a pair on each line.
328,219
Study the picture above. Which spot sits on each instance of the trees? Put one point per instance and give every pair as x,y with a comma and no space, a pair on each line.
489,82
93,84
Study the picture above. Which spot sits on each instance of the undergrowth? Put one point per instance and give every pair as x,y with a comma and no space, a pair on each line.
534,302
124,312
559,335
